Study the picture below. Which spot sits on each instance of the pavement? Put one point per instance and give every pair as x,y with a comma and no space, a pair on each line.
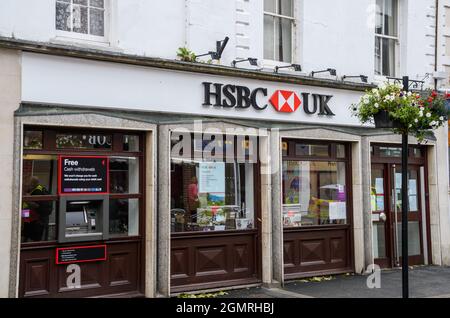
424,282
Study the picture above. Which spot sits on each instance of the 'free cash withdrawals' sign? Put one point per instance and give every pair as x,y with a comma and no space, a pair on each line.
83,175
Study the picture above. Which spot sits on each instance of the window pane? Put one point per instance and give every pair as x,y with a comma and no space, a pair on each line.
39,175
388,57
390,18
286,8
83,141
97,22
38,221
80,19
124,175
379,17
377,190
283,40
63,16
379,240
413,238
269,6
82,2
32,139
285,148
340,151
97,3
417,153
378,56
131,143
124,217
269,53
413,190
211,196
314,193
390,152
312,150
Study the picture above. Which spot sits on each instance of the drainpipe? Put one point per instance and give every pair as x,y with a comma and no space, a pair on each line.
436,42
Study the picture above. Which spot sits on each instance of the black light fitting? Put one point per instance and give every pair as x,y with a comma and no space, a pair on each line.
253,61
363,78
332,72
296,67
220,46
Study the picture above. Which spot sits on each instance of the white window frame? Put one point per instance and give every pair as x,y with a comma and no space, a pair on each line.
70,35
381,77
273,63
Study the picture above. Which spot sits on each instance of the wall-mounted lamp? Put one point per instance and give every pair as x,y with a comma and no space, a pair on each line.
363,78
253,61
332,72
220,46
296,67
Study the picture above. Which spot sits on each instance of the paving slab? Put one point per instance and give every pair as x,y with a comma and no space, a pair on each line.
425,281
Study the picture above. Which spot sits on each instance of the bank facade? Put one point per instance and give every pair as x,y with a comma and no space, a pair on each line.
158,177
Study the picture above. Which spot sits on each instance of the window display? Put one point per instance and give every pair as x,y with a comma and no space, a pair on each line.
314,191
209,195
81,196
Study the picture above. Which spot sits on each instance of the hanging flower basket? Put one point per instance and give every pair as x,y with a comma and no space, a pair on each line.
388,106
383,120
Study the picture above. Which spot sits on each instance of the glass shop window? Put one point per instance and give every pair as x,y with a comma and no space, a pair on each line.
124,217
39,175
33,140
39,222
212,195
131,143
390,152
314,193
312,150
124,174
83,141
39,208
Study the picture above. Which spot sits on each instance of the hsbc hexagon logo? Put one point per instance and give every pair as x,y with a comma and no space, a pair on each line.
285,101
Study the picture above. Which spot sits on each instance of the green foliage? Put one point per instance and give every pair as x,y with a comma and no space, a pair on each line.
186,55
418,114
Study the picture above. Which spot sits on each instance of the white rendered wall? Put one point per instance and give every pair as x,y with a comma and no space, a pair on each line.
329,33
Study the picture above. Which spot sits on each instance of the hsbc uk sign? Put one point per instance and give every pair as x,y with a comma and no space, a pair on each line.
283,101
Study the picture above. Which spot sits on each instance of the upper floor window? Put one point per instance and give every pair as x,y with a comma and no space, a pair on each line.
82,17
278,30
386,37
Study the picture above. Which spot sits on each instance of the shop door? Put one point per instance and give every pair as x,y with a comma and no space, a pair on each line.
386,202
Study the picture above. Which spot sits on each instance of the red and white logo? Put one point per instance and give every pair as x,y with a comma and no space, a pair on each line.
285,101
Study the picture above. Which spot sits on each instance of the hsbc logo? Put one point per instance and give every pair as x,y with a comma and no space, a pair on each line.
283,101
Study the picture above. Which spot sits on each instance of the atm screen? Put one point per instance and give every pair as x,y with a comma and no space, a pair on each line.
76,218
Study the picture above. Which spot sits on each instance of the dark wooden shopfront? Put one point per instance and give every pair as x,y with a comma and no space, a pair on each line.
123,270
317,206
204,255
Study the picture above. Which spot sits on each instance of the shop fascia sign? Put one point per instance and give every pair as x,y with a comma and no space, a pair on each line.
283,101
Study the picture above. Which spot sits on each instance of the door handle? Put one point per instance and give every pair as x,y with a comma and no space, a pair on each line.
383,217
